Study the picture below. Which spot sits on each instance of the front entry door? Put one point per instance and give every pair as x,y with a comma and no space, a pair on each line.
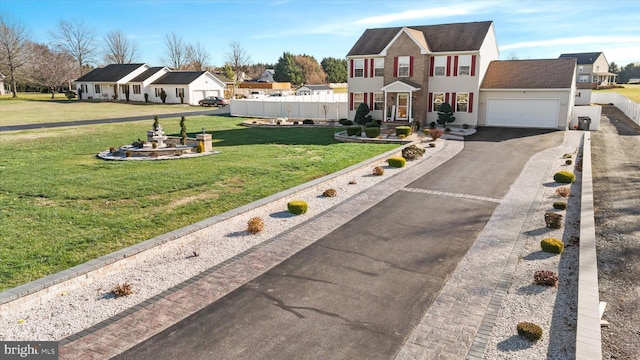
403,106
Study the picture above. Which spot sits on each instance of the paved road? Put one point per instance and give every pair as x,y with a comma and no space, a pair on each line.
219,111
358,292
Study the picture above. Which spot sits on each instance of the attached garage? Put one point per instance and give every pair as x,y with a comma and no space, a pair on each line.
523,112
528,93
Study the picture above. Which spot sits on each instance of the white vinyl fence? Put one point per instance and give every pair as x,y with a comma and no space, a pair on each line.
628,107
330,107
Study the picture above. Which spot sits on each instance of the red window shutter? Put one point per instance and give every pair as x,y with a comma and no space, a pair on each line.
473,65
470,102
351,70
446,98
454,101
371,101
410,66
455,65
350,101
371,67
430,102
395,66
448,65
365,98
432,64
366,68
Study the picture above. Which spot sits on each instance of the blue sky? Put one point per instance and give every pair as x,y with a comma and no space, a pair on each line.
329,28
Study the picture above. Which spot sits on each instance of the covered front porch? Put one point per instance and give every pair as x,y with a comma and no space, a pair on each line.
604,78
399,101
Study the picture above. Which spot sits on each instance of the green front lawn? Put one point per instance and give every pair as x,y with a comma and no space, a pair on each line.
35,108
631,91
61,206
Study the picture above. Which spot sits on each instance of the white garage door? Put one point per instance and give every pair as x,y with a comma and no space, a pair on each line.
535,113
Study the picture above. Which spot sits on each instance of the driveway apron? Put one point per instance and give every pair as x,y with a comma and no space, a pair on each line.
358,292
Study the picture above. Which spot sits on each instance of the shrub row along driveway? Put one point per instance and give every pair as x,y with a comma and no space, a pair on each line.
359,291
616,185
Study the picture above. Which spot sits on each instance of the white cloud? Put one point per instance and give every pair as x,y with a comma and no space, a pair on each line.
427,13
579,40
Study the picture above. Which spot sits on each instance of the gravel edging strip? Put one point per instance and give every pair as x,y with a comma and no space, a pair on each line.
588,335
42,289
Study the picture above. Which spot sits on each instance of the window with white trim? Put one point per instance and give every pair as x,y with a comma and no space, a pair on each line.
378,64
583,78
438,99
179,92
158,91
439,65
403,66
464,65
358,98
462,102
136,89
97,88
358,68
378,101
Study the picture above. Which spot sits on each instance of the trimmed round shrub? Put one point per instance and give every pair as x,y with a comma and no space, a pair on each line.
330,193
378,171
560,205
297,207
397,162
412,152
552,245
529,331
372,132
553,220
372,124
354,130
307,122
568,162
255,225
564,177
347,122
403,130
341,121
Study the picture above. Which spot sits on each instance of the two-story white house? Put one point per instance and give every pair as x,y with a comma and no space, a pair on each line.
405,73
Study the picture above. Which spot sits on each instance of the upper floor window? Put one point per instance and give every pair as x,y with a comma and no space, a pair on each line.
379,67
464,65
462,102
438,99
358,68
404,63
439,65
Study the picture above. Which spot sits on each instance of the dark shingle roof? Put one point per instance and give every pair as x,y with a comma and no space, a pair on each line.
530,74
110,73
147,74
444,37
223,79
583,58
317,87
178,78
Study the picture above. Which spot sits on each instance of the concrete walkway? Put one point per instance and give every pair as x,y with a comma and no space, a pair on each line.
456,302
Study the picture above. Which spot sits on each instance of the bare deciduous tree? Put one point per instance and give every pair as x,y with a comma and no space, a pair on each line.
77,40
176,54
197,56
238,58
50,68
14,49
119,48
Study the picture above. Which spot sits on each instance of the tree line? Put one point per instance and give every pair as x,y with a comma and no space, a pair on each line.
74,49
630,71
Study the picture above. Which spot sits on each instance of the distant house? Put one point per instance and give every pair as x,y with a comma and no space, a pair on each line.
592,68
528,93
3,90
314,90
114,81
266,76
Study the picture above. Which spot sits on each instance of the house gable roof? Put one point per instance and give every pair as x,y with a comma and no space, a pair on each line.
147,74
583,58
438,38
223,79
316,87
530,74
109,73
178,78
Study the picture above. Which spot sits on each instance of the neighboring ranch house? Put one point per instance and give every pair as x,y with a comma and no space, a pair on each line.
112,81
405,73
314,90
592,68
528,93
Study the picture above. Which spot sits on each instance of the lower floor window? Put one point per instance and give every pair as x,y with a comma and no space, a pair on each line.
97,89
462,102
438,99
358,98
136,89
179,92
378,101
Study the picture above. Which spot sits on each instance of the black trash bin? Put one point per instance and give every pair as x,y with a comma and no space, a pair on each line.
584,122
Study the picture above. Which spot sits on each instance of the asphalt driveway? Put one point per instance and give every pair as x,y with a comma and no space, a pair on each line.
359,291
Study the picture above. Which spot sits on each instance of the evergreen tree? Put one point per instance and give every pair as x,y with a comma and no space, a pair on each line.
336,69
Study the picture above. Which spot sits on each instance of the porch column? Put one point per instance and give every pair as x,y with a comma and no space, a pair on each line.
410,109
384,110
